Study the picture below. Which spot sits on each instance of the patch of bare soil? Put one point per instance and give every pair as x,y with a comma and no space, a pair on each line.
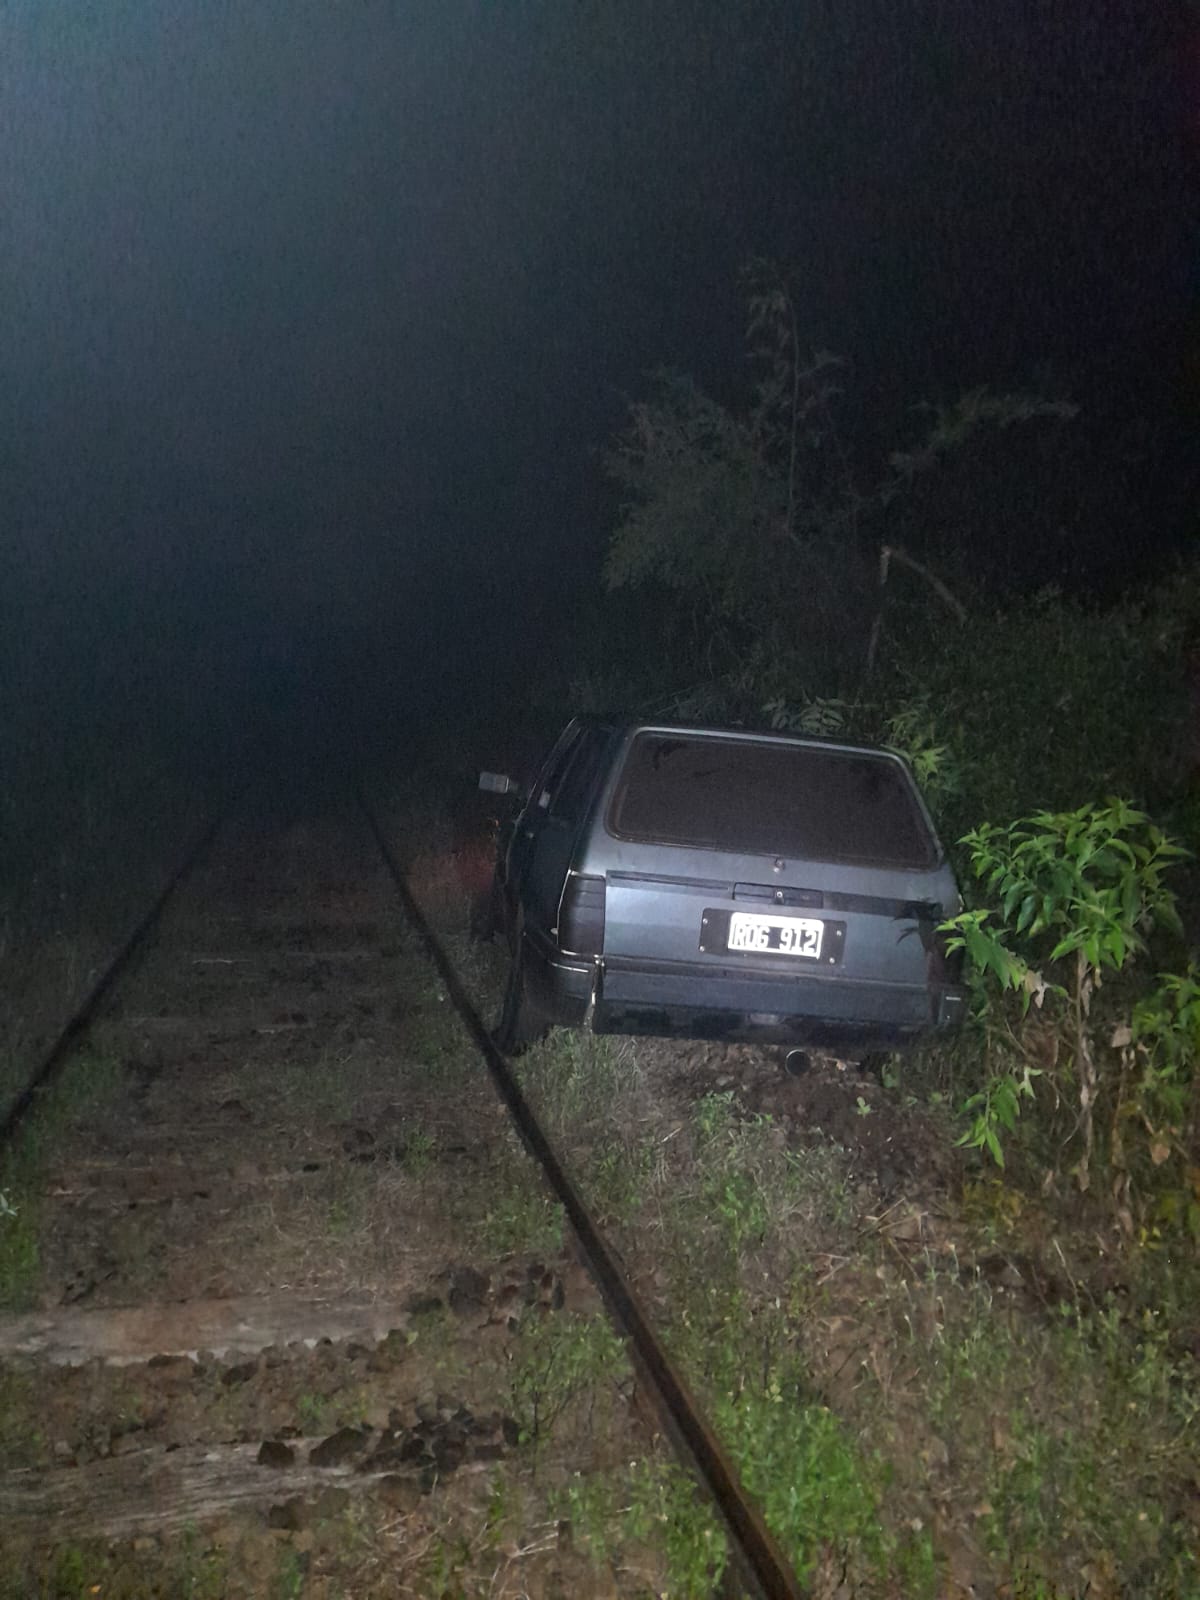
287,1257
894,1147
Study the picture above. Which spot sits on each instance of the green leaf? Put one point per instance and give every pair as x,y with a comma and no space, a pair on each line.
979,946
993,1145
1004,1103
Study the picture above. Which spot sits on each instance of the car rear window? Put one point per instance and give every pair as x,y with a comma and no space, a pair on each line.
752,797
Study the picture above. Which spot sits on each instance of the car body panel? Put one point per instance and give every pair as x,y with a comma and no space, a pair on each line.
664,965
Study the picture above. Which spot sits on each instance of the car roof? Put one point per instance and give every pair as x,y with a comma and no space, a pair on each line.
629,726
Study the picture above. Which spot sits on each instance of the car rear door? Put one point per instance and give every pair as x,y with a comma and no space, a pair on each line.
531,819
550,855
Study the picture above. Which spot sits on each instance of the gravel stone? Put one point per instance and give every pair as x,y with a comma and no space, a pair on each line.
424,1305
468,1291
291,1516
339,1448
331,1502
400,1492
172,1373
449,1454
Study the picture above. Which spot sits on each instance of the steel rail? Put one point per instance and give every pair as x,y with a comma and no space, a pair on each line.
757,1553
81,1021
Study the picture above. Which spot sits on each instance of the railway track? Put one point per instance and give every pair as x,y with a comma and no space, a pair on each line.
292,1262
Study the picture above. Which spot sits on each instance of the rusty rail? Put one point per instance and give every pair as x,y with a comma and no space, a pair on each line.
86,1013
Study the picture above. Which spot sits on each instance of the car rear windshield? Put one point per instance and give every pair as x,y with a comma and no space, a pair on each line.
749,797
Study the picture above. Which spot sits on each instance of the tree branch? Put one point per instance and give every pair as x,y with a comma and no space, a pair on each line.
891,552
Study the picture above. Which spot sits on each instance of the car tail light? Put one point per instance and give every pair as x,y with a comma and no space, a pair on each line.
581,916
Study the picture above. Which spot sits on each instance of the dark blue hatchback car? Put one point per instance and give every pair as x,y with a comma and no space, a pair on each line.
714,883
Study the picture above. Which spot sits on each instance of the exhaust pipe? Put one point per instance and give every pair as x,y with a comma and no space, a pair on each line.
795,1063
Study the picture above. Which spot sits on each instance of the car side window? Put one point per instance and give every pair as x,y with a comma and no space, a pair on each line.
567,804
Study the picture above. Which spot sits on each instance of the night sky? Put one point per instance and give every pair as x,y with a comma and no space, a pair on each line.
317,317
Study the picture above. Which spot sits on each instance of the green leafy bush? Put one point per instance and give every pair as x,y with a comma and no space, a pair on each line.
1073,897
1048,701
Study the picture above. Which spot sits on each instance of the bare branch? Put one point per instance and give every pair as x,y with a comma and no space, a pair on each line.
891,552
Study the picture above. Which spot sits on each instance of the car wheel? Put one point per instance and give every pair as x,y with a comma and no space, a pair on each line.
521,1022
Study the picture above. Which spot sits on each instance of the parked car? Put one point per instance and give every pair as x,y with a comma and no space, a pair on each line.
714,883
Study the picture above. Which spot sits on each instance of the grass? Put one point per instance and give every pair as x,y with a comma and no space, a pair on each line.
323,1412
621,1172
1076,1432
187,1569
703,1199
419,1151
521,1218
434,1039
87,1083
557,1360
1061,1443
21,1440
577,1079
650,1496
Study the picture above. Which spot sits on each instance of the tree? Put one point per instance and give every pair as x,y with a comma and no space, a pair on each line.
757,519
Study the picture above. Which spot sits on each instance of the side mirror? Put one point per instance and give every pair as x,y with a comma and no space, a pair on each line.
497,783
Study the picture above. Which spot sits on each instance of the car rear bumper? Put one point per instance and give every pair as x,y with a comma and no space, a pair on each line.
666,999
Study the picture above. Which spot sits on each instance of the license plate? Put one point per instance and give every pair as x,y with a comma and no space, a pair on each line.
783,936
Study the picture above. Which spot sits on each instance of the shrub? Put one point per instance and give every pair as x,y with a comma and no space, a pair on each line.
1072,898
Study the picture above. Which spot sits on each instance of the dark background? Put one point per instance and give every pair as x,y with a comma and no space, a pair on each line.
316,317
